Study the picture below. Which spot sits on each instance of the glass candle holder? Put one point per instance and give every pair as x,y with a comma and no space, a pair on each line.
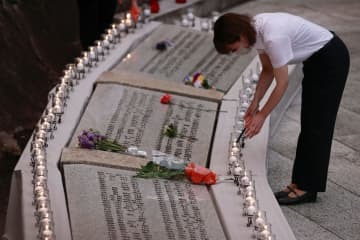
259,220
265,233
204,25
100,50
245,180
93,55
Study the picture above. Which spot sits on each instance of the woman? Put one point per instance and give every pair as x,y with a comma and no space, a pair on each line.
283,39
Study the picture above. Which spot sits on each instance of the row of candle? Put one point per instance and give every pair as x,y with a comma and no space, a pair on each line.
206,24
256,217
47,125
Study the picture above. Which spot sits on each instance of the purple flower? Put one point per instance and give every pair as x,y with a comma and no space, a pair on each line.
85,142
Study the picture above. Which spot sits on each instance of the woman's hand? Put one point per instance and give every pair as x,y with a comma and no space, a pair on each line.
251,111
254,124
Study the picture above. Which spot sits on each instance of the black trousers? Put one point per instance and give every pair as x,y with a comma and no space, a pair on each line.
325,74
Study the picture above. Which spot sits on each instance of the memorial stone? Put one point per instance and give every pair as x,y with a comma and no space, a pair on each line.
106,203
192,51
135,117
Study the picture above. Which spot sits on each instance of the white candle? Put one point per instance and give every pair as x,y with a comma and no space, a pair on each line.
250,211
245,105
185,22
99,47
242,114
106,42
128,23
205,25
248,90
80,65
232,159
259,222
250,200
235,150
238,170
247,82
122,26
47,233
245,180
264,234
58,109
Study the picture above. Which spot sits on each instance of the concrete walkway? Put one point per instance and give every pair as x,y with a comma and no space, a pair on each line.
336,213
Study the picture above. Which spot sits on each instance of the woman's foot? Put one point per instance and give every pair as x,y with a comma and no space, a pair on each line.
297,196
291,187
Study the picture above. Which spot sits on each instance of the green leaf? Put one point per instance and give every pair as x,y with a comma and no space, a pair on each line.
153,170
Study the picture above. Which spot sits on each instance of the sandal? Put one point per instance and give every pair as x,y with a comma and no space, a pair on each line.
306,197
284,193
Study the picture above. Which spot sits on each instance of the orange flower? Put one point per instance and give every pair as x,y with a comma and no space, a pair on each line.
200,175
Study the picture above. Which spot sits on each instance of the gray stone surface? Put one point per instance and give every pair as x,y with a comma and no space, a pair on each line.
135,117
192,52
107,203
307,229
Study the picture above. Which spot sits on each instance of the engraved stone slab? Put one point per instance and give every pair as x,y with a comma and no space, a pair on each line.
135,117
192,52
106,203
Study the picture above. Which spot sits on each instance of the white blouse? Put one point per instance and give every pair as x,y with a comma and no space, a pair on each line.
288,39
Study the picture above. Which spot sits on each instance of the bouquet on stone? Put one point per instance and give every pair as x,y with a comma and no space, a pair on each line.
92,139
169,167
198,80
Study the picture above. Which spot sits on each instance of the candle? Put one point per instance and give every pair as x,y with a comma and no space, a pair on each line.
40,179
106,42
248,91
92,54
58,109
46,234
245,105
250,200
204,25
185,22
260,218
99,47
238,170
71,69
254,77
265,233
245,179
80,65
45,125
122,26
246,82
242,114
147,12
250,210
233,158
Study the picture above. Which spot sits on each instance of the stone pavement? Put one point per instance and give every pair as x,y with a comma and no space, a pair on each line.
336,213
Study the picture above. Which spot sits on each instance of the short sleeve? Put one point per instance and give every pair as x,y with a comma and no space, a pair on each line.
279,50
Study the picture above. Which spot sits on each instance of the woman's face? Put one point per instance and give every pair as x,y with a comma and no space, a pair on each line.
239,47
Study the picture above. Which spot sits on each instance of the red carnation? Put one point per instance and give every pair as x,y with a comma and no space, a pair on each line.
165,99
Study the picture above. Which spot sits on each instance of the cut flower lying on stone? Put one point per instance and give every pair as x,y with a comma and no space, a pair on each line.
92,139
194,173
198,80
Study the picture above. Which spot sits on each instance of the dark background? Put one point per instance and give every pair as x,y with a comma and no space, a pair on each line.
37,39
